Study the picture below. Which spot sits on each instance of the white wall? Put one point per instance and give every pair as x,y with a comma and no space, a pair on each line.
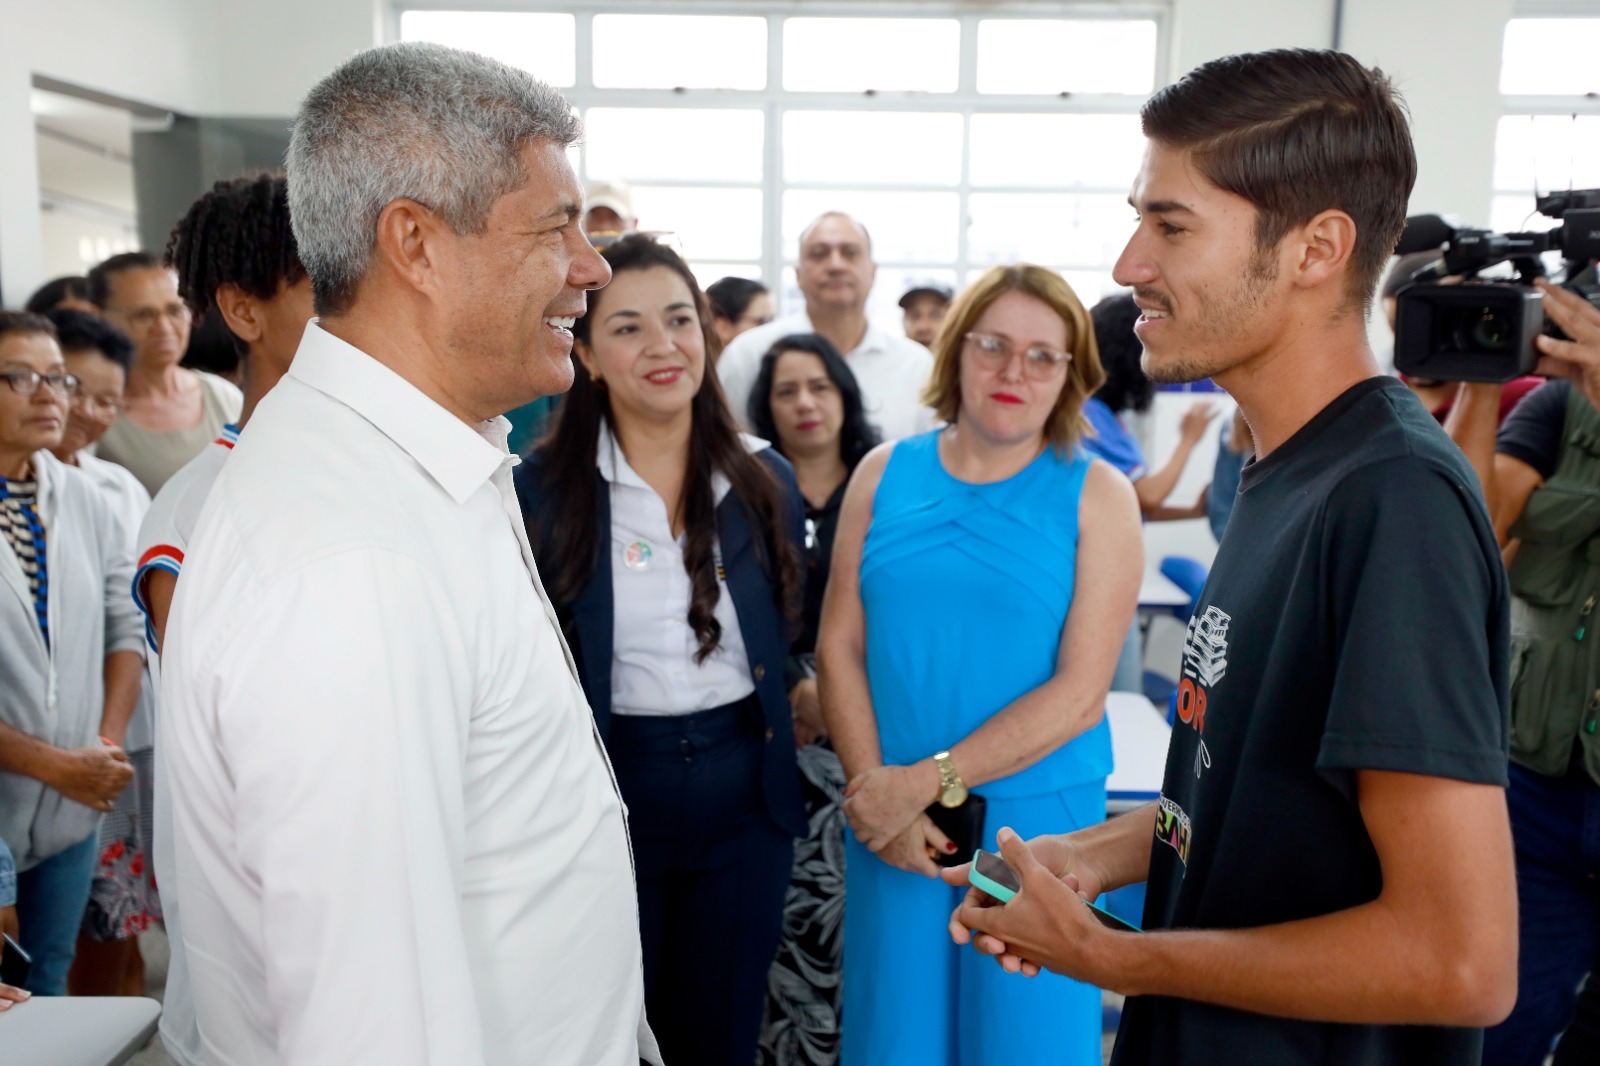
1446,62
267,55
154,52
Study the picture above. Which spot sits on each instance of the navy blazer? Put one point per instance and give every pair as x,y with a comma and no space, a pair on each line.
589,619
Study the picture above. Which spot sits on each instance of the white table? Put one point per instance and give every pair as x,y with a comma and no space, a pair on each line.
1139,738
1158,590
76,1030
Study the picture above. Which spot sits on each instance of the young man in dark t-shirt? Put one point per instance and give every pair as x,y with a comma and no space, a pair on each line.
1330,879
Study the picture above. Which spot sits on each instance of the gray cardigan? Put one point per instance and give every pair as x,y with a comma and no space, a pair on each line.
58,695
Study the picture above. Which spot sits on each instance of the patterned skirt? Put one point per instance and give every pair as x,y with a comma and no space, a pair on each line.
122,900
802,1018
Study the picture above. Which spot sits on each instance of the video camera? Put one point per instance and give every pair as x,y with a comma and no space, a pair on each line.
1478,330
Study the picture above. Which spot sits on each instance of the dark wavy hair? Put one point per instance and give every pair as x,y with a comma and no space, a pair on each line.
49,295
857,436
1127,387
572,552
1297,132
238,234
79,331
730,297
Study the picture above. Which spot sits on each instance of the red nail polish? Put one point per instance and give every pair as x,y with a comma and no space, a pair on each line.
949,847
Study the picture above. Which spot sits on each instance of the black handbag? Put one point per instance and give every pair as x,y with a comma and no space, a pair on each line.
963,825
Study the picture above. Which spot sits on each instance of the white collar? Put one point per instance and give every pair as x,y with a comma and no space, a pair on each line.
614,466
458,456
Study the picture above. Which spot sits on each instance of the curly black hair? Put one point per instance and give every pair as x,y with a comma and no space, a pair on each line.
1127,387
238,233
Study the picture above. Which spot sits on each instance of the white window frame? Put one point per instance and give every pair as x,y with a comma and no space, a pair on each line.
774,100
1561,106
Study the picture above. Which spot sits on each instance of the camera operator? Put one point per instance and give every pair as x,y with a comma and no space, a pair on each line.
1541,481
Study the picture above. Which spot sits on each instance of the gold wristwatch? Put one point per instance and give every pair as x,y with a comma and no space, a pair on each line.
952,790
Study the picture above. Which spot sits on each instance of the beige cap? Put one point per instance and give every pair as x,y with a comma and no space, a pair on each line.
613,194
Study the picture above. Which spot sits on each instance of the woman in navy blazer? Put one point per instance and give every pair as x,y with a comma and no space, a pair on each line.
669,543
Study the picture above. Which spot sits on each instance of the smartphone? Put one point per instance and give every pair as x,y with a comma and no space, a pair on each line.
15,964
990,873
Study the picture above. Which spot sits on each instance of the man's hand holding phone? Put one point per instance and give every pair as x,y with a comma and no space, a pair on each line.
1047,923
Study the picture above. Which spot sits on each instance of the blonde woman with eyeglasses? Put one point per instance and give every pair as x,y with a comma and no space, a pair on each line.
983,578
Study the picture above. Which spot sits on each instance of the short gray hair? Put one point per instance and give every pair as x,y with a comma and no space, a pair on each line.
413,121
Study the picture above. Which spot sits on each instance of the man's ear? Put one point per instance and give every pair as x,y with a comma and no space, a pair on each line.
1324,248
410,241
240,311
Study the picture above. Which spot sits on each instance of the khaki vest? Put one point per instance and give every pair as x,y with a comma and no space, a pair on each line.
1555,629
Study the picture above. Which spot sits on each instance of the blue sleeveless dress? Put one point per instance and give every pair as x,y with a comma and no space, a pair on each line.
965,589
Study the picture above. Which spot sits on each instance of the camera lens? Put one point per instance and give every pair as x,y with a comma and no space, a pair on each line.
1483,329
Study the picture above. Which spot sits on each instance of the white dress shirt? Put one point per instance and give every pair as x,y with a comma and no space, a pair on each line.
162,544
653,671
890,368
398,838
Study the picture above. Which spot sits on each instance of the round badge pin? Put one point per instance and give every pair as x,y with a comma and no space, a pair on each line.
637,555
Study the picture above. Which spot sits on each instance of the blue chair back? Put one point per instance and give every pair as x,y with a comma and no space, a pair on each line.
1189,575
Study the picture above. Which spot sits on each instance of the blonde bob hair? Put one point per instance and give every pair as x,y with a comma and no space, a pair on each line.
1066,424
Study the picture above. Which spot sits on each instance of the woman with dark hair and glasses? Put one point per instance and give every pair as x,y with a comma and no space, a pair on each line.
70,652
984,576
670,542
806,400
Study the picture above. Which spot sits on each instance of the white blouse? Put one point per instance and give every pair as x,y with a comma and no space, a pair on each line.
653,671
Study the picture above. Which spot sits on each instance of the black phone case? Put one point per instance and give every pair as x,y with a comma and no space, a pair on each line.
963,825
14,965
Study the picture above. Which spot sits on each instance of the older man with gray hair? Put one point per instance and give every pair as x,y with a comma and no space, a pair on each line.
398,838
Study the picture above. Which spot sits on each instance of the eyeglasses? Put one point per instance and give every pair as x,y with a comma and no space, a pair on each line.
27,382
142,318
1038,362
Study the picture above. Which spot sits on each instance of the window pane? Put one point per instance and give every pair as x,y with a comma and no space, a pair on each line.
1049,228
1550,57
641,144
1547,152
907,227
851,55
1516,214
542,44
1066,55
862,146
707,272
649,52
1056,150
707,223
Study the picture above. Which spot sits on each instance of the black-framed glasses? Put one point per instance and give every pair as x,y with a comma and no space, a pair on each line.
27,382
1039,362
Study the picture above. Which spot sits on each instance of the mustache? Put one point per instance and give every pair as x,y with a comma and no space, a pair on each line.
1150,296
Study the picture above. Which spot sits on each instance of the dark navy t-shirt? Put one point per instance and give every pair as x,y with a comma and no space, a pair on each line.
1355,618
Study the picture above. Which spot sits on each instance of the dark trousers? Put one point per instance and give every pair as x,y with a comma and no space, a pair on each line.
1555,823
713,869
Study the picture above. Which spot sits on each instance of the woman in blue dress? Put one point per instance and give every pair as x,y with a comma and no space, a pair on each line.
983,579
